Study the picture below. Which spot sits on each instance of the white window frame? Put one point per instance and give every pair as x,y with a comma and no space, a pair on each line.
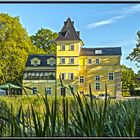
99,77
96,61
49,90
64,76
62,58
70,60
89,61
96,86
109,76
62,47
73,47
70,76
83,79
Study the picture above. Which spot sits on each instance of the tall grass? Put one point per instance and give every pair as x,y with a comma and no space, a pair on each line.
45,116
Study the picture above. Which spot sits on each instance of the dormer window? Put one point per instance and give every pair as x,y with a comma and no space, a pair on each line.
98,51
63,48
51,61
71,47
35,61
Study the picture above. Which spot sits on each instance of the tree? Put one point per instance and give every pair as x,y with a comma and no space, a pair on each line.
135,54
128,78
15,46
45,39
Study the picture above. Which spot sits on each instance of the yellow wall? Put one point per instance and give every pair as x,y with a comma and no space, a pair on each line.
90,71
68,68
68,52
40,84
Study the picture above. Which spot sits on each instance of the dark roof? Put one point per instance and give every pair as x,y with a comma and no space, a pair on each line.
42,57
68,32
105,51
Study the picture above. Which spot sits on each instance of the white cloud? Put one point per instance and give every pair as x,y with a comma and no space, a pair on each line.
125,12
131,10
104,22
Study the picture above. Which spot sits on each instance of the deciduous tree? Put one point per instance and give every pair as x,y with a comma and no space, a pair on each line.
15,46
45,39
128,78
135,54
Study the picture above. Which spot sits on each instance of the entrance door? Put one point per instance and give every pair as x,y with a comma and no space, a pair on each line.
63,91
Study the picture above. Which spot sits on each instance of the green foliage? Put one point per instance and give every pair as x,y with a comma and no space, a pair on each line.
135,54
15,46
45,39
128,78
65,116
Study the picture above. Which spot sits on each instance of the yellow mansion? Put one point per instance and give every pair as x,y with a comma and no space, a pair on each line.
77,66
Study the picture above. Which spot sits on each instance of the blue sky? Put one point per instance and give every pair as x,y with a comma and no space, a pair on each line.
100,25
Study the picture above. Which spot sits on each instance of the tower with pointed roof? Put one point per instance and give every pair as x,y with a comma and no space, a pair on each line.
68,49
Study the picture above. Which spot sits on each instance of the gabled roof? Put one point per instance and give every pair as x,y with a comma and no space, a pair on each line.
42,57
103,51
68,32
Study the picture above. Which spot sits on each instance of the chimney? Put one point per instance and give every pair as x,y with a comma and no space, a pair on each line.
65,22
72,22
78,33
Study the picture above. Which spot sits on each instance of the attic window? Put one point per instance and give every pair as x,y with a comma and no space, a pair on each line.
66,34
35,63
98,51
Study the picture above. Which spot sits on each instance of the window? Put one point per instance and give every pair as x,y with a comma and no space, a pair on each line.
29,76
81,92
62,76
63,48
63,91
97,61
25,76
71,76
62,60
89,61
51,76
52,62
81,79
32,75
71,60
71,47
97,78
97,86
110,76
46,75
36,76
34,90
35,62
41,76
48,90
98,51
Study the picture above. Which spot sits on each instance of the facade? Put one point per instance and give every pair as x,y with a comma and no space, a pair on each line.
40,74
78,66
